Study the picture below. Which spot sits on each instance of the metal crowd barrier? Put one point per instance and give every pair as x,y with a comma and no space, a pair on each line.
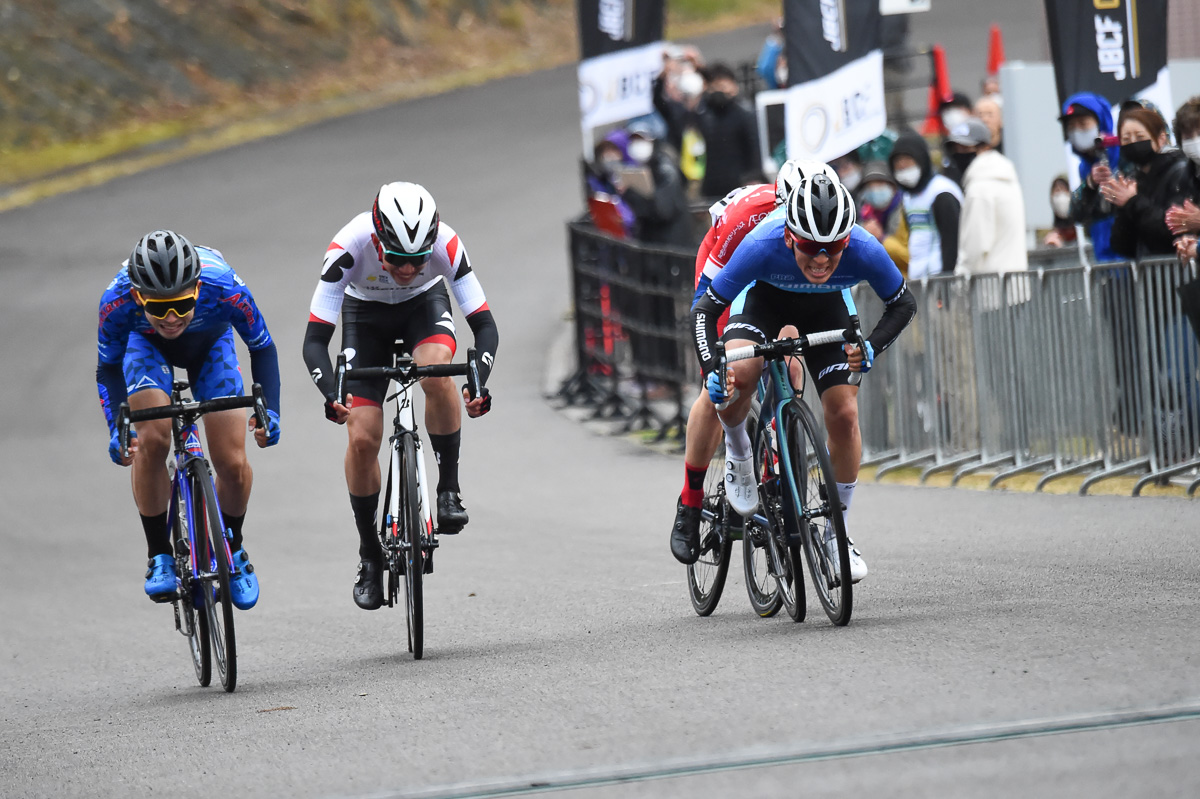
1060,370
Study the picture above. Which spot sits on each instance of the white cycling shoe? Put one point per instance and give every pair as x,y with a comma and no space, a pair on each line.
741,489
858,566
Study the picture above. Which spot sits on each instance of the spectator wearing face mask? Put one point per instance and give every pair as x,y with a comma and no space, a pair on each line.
1063,232
1085,118
662,213
992,235
954,112
602,179
730,133
849,170
932,204
881,211
1162,178
1183,219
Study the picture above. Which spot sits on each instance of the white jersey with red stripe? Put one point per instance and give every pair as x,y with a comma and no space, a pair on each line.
354,266
746,208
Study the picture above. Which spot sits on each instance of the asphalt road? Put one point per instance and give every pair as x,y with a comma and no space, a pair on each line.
1003,644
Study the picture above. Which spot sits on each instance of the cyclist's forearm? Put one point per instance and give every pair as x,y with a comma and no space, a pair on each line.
316,356
705,314
264,369
487,340
899,311
110,384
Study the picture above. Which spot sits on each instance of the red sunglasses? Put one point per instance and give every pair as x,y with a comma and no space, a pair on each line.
814,248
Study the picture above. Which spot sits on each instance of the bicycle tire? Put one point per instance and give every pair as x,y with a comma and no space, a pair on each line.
413,535
218,603
199,646
816,503
389,538
706,577
788,568
761,586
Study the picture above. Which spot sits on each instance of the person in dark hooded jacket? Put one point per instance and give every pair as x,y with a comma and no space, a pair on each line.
932,205
1162,179
728,127
1086,117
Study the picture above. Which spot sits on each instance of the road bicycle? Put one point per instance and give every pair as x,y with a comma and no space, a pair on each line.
199,539
798,498
406,530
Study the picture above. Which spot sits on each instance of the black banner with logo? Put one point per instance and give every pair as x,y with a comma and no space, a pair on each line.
606,26
1114,48
824,35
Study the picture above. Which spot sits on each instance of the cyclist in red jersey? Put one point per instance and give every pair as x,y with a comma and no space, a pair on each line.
733,217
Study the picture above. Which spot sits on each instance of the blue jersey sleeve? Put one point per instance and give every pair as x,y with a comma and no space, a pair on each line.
754,259
117,314
243,313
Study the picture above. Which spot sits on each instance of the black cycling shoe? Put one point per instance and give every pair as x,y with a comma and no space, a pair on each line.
368,585
685,535
451,515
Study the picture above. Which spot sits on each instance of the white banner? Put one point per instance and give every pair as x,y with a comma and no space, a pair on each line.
830,116
618,86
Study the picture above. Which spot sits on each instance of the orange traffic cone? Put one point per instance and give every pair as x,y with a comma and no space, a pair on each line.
939,92
995,50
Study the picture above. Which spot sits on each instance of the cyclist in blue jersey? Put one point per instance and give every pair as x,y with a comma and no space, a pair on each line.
797,267
176,305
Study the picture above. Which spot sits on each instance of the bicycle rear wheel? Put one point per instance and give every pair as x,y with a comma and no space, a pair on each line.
816,503
706,577
194,626
412,533
212,555
761,585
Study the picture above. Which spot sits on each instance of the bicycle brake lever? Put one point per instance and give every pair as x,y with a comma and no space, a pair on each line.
123,429
339,390
260,407
856,377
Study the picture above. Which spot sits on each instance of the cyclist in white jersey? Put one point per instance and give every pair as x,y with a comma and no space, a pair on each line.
385,274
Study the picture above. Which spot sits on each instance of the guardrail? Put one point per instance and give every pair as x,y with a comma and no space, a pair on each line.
1059,370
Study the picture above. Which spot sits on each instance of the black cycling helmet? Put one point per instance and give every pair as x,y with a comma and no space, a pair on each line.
405,218
163,264
820,209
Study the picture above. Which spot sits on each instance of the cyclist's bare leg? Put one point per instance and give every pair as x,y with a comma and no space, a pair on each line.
840,406
443,404
365,433
151,485
703,432
225,432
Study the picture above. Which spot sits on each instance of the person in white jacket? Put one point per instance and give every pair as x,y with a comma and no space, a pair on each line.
991,234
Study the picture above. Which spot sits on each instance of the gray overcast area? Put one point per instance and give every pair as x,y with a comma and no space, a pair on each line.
559,638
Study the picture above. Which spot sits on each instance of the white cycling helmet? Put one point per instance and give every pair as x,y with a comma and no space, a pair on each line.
794,172
405,218
163,264
820,209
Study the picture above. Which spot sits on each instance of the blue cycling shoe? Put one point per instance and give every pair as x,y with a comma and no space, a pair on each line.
161,582
243,582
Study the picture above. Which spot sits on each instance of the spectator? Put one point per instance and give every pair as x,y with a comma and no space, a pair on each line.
990,87
1085,119
992,235
662,213
990,113
1162,178
602,178
881,211
727,127
954,112
849,170
1063,232
932,204
1185,218
677,91
772,61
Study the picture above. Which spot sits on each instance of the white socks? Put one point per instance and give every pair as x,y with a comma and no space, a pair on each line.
737,441
846,492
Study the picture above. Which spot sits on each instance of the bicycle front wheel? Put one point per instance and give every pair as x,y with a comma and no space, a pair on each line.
212,556
413,535
818,513
706,577
193,625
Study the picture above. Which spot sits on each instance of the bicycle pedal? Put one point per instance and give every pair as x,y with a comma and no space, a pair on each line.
163,599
